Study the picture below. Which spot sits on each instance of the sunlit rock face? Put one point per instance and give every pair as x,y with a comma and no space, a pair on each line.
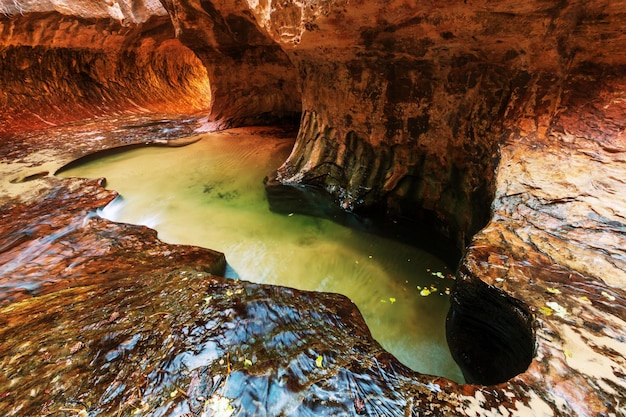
253,80
61,63
501,124
404,103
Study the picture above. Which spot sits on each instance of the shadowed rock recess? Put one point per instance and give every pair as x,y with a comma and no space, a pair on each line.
497,125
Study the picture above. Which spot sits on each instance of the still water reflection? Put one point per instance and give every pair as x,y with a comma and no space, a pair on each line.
211,194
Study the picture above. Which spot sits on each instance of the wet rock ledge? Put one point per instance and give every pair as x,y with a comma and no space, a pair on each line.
499,125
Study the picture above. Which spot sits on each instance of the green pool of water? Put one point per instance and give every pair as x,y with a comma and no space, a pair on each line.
211,194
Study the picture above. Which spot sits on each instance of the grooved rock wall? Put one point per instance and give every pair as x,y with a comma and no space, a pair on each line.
431,90
63,61
253,80
56,68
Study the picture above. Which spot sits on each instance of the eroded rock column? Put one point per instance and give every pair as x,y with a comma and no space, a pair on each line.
400,115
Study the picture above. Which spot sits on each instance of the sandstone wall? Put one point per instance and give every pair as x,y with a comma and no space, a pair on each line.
56,68
63,61
252,80
405,104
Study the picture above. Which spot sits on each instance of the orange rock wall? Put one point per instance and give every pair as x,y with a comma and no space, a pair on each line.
57,69
406,103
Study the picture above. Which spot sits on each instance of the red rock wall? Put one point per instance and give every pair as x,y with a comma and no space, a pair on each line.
252,79
406,104
56,69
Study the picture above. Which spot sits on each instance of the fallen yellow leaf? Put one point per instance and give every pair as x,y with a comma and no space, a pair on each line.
319,362
546,310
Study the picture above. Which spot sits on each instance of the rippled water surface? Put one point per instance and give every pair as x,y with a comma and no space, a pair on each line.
211,194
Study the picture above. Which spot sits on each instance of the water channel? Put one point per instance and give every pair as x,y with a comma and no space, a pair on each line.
211,194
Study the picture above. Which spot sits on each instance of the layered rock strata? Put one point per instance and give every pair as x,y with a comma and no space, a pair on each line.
501,124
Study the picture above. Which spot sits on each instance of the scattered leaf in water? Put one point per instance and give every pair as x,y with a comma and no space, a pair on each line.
392,300
425,292
319,362
553,290
383,301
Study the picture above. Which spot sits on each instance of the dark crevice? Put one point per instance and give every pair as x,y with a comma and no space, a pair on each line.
490,334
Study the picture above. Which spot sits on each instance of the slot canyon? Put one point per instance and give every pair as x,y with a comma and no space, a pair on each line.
496,130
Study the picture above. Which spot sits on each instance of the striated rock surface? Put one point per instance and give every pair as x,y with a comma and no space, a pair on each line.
405,104
252,79
500,125
59,67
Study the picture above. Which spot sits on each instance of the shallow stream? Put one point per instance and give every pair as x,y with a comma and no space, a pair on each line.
211,194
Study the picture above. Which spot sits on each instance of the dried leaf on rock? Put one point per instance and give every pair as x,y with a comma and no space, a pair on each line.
319,362
546,310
